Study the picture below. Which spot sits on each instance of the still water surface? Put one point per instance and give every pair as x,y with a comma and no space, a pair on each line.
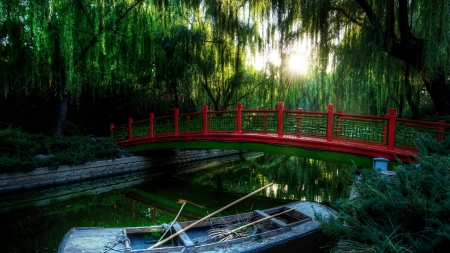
40,229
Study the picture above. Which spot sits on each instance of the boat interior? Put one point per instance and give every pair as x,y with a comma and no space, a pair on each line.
233,229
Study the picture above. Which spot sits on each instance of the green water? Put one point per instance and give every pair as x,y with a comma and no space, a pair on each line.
40,229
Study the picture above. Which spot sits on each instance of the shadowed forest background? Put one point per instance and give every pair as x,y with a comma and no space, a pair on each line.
76,66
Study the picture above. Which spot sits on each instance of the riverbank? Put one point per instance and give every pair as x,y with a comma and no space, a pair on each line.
43,186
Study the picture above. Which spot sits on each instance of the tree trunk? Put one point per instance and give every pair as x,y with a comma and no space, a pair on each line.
64,97
439,91
412,97
62,114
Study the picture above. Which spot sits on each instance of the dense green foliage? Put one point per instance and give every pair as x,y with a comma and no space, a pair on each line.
19,150
365,55
406,213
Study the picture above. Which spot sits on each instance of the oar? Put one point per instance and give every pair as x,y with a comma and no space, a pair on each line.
208,216
224,233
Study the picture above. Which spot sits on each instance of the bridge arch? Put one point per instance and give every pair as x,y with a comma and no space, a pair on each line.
290,131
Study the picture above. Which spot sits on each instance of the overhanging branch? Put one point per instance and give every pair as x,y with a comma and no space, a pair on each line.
102,30
345,13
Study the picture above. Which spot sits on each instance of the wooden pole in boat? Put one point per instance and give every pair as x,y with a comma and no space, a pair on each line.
261,220
208,216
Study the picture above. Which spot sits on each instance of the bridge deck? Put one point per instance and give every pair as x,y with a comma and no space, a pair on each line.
347,146
373,136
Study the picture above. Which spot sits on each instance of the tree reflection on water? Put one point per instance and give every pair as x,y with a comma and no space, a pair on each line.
295,178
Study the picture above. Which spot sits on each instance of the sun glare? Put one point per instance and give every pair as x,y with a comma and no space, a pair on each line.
297,59
298,63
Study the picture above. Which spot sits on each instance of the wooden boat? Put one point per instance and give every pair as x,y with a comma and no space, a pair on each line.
280,232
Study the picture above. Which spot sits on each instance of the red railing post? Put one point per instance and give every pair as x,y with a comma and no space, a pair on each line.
130,128
111,129
176,112
441,129
152,128
330,123
339,128
265,121
391,128
299,120
280,119
239,118
205,119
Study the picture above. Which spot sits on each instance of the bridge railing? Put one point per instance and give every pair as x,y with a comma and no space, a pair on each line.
361,128
388,131
409,130
303,123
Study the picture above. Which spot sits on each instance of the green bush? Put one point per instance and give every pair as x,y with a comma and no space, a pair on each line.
19,150
406,213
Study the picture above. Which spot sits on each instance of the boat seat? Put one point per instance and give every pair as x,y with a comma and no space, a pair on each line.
183,236
274,220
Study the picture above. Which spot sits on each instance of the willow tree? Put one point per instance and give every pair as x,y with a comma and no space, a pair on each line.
73,46
414,32
222,72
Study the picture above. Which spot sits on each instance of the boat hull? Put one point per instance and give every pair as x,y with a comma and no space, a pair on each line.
297,231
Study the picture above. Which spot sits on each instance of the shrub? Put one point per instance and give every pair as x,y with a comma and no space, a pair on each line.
20,151
406,213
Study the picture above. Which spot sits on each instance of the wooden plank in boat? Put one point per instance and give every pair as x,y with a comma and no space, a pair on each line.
184,238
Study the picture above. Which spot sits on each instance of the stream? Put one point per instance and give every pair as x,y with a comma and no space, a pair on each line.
41,228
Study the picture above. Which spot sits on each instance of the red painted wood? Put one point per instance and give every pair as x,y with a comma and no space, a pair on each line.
130,128
386,148
391,128
239,118
330,122
205,119
353,147
176,113
152,128
280,119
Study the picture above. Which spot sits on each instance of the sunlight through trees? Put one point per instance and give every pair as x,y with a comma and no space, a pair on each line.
363,56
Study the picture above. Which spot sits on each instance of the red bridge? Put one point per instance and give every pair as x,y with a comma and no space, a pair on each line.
371,136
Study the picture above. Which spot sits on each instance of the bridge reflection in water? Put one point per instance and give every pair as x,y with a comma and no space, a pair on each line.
372,136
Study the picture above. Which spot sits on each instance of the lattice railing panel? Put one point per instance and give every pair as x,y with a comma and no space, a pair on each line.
141,129
163,125
314,125
120,133
191,123
408,132
362,128
291,124
222,122
366,130
258,122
